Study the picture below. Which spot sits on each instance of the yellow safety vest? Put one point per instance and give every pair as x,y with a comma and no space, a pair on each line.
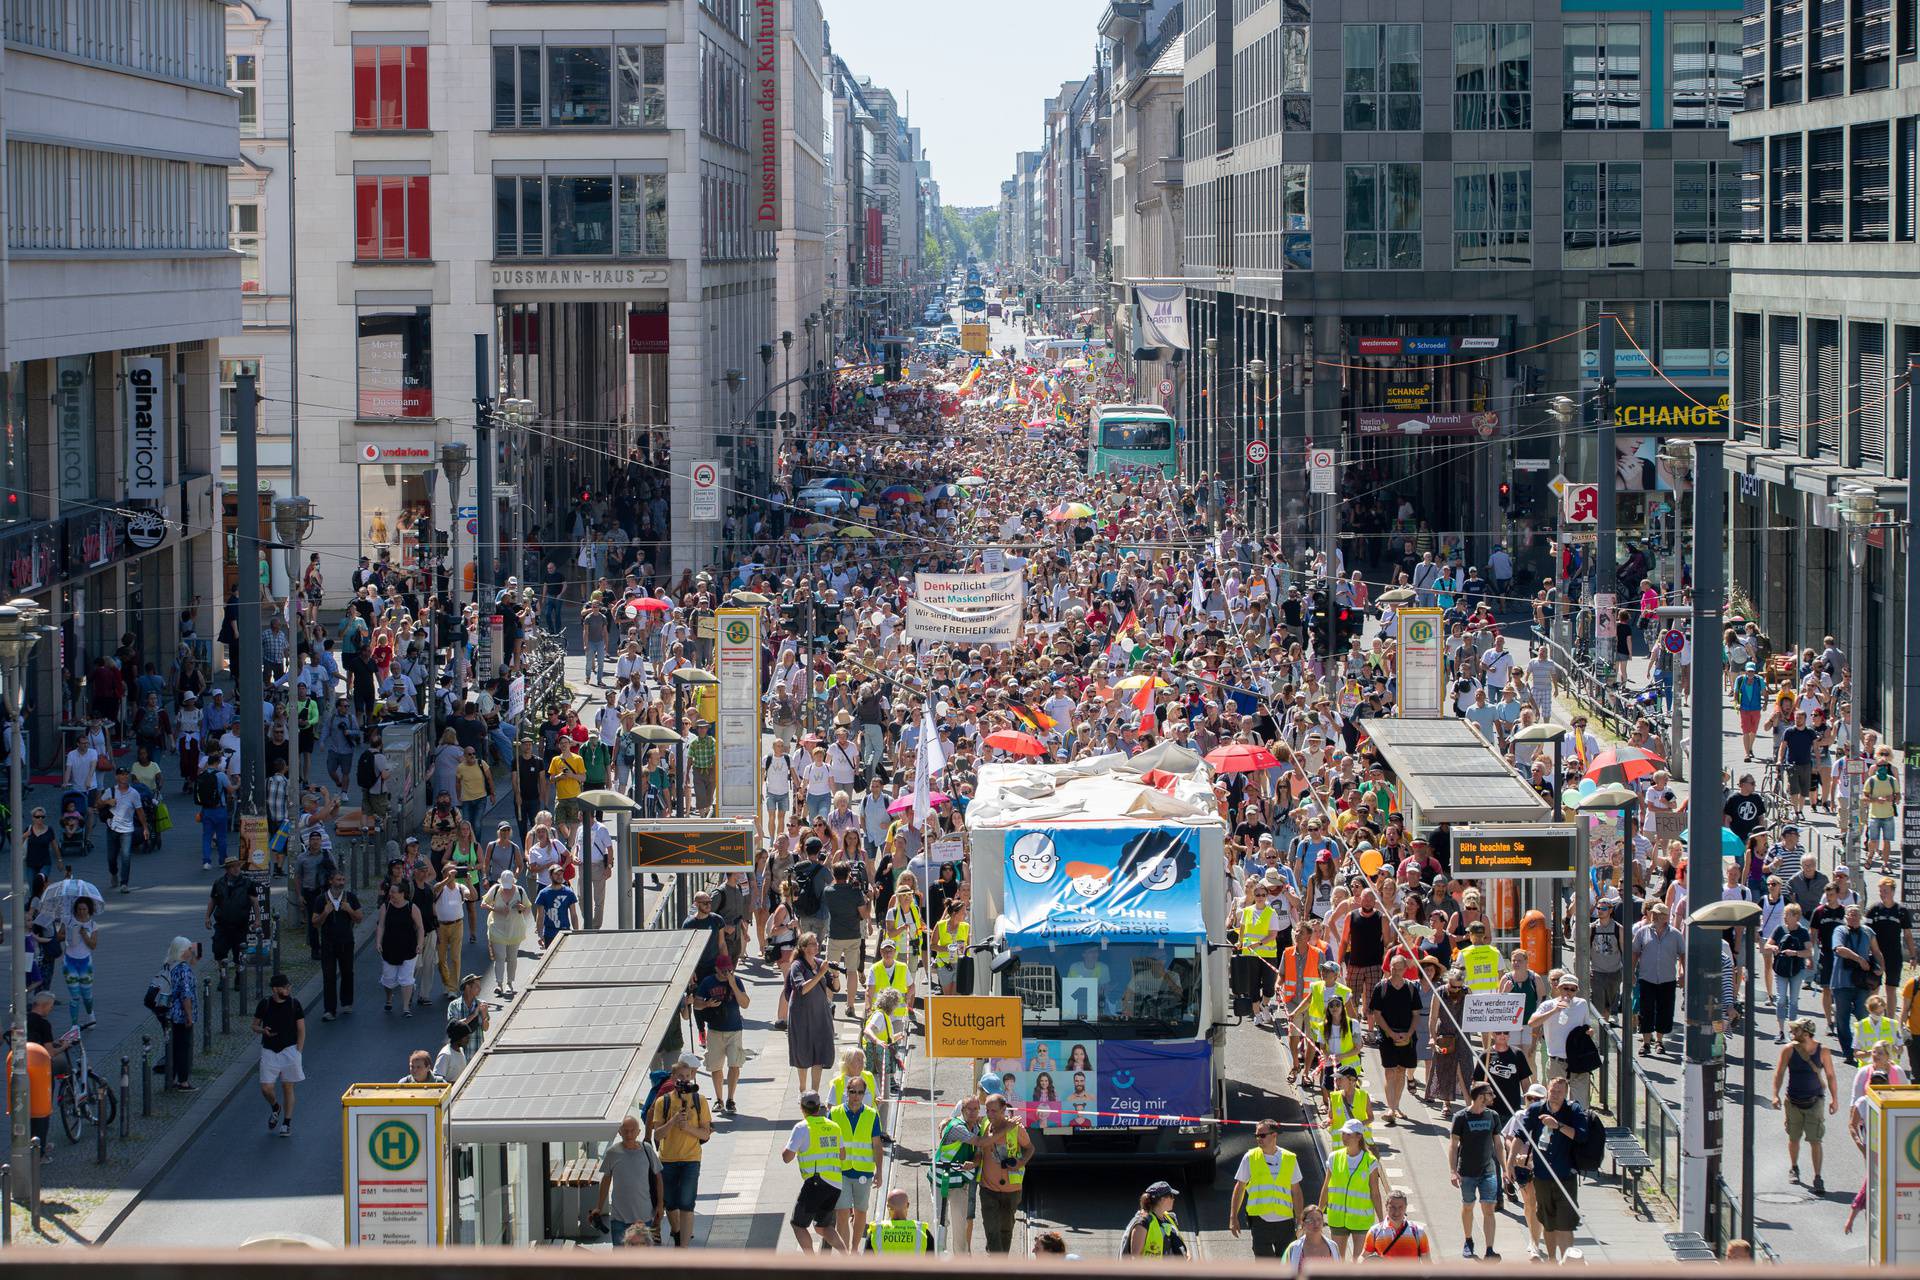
837,1092
1154,1244
1270,1187
1257,934
1016,1178
896,976
883,1027
1870,1031
898,1236
1339,1112
821,1159
1482,967
856,1139
952,943
1350,1191
1317,1002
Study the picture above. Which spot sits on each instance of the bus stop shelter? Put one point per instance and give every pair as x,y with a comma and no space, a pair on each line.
1447,774
579,1048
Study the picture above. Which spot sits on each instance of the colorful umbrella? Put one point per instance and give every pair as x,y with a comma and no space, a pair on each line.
900,493
1731,845
839,482
1016,743
947,491
904,803
1070,511
1624,765
1131,683
1240,757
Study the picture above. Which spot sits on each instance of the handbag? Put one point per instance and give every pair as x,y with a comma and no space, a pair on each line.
162,818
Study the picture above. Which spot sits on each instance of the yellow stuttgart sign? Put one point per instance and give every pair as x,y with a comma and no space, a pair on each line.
973,1027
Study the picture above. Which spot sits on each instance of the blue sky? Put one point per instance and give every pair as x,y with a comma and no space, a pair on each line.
974,74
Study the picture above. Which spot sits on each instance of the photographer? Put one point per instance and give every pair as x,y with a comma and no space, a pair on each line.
680,1124
811,984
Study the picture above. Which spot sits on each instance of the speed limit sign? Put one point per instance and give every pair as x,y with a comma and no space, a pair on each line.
1166,386
1256,452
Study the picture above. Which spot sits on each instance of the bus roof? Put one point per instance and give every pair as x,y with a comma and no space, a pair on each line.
1139,410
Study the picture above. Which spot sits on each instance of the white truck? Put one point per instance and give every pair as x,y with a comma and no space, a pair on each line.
1101,903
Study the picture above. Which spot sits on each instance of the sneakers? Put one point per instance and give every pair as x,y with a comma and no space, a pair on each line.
1793,1173
1819,1185
1466,1250
731,1107
273,1119
1492,1256
326,1017
286,1128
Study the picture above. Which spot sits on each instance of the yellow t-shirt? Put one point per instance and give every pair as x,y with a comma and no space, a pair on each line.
568,771
1880,793
677,1143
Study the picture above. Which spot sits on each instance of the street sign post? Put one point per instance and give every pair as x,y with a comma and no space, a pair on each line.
394,1140
1422,687
1320,468
1518,850
705,504
1580,503
1256,453
693,844
1166,386
974,1027
737,663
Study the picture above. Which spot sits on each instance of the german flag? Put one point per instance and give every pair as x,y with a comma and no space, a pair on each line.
1035,719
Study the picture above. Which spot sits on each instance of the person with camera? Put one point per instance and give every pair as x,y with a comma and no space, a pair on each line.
847,911
631,1192
812,983
680,1125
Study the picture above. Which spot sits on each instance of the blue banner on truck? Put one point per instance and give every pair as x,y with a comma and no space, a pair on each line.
1064,883
1102,1084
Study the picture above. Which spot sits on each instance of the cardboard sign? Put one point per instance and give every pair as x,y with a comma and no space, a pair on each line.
1493,1011
973,1027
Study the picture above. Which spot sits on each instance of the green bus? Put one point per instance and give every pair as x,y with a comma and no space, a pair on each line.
1123,437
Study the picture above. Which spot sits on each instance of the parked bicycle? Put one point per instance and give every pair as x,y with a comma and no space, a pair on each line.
92,1102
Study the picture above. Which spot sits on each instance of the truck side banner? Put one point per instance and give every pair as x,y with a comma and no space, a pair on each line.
1090,882
1104,1084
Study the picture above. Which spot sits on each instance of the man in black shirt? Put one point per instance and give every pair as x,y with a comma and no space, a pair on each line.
1744,809
846,907
705,917
334,911
1892,926
1390,1010
1476,1167
281,1024
1508,1071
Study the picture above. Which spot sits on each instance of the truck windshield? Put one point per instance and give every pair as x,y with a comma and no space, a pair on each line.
1136,435
1123,990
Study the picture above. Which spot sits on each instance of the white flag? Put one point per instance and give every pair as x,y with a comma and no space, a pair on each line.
929,758
1199,592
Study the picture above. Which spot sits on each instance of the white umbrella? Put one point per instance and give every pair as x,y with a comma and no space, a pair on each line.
56,904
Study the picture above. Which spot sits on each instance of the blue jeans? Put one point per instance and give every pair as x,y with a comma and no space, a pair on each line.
1848,1003
120,856
473,811
596,659
1786,999
213,834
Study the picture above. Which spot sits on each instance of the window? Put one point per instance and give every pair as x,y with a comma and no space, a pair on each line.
1826,184
243,77
243,236
1872,44
620,86
580,216
1382,230
1602,62
1380,75
1298,238
1789,50
395,361
1906,173
1296,93
230,371
517,99
1784,180
390,87
1602,227
1693,338
1492,75
1708,210
1872,183
1706,74
1120,984
1492,215
390,219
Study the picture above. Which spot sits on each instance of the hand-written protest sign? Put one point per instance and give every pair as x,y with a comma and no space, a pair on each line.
1493,1011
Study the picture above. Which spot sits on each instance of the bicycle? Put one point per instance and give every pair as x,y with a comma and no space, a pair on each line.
96,1105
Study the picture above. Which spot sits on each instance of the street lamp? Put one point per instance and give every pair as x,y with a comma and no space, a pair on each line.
1612,798
454,459
1548,731
293,520
1857,510
683,678
1723,918
19,632
624,807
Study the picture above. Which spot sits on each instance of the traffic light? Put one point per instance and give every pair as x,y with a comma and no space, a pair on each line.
893,362
1506,496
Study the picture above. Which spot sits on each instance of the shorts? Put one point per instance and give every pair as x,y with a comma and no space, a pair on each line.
724,1050
781,803
1880,829
1399,1055
396,975
855,1193
816,1203
845,951
281,1066
1806,1123
228,943
1749,722
679,1185
1800,779
1485,1189
1554,1207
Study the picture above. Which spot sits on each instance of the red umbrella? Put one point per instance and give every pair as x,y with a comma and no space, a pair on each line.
647,604
1624,765
1240,757
1016,743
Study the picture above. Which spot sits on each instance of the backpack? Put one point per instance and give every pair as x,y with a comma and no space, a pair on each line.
1591,1151
363,773
807,901
158,992
207,791
149,724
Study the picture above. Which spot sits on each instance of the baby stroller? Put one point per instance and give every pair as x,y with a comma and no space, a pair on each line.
146,834
76,833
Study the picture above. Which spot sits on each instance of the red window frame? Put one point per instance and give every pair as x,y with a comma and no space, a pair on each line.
391,219
390,87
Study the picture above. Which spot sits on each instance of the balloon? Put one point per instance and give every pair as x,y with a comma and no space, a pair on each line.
1569,798
1370,862
1588,786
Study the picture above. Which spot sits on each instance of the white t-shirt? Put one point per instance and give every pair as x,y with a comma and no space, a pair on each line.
778,774
1558,1026
1245,1174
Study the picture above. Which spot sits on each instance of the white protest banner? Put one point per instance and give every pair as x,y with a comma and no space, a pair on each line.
933,624
970,590
1493,1011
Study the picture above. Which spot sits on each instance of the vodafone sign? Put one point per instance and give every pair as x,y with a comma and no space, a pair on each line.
419,454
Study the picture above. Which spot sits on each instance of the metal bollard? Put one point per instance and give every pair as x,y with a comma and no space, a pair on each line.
6,1201
146,1076
126,1096
33,1182
227,977
100,1124
206,1022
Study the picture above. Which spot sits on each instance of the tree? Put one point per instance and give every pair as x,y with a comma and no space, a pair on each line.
984,230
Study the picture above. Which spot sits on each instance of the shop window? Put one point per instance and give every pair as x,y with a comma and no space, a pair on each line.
395,361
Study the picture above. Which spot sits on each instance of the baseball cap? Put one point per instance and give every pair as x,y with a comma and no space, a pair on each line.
1355,1127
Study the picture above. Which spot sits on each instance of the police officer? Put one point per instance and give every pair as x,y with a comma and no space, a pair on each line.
1267,1187
899,1233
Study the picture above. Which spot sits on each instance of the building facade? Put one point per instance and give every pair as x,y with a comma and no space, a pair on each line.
800,289
1144,226
1410,226
120,132
1825,326
576,186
